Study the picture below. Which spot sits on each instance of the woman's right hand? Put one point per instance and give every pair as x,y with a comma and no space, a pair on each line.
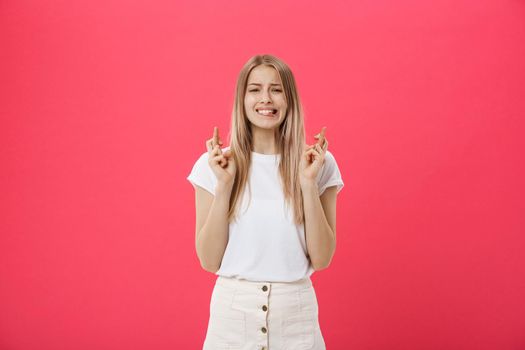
222,164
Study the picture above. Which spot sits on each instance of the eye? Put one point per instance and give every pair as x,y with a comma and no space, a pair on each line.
275,90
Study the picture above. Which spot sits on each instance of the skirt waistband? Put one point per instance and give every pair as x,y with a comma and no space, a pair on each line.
256,286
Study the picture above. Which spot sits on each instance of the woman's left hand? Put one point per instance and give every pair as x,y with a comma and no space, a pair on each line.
313,159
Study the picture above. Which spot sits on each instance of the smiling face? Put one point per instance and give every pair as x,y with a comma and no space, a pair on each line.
264,100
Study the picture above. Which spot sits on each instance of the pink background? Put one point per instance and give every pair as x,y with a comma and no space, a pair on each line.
106,105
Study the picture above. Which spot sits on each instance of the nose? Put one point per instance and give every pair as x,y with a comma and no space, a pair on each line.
265,96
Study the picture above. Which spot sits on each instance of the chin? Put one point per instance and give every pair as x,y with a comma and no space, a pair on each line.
267,127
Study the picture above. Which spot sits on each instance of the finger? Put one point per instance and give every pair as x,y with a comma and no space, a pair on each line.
321,136
212,148
320,149
323,131
219,159
307,156
228,153
215,136
316,152
216,150
325,147
312,155
307,149
225,161
311,152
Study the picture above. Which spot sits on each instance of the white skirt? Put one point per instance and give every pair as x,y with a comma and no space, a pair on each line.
263,316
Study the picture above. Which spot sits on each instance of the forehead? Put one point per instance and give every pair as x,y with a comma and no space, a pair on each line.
264,74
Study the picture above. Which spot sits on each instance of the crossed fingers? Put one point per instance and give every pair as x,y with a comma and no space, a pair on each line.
214,147
322,142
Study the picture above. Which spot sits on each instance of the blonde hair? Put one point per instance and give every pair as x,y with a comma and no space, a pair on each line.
290,138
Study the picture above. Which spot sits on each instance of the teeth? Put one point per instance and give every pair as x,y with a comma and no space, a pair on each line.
265,111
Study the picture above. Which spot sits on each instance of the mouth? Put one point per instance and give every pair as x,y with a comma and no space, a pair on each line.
267,112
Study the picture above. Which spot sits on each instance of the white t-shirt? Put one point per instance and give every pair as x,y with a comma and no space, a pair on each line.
264,242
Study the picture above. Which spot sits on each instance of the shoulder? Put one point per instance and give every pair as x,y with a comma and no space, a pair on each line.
329,160
329,156
329,165
202,173
330,174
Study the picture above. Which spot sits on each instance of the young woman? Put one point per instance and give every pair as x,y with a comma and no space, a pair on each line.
265,217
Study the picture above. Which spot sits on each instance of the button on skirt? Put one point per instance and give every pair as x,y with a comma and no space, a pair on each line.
263,315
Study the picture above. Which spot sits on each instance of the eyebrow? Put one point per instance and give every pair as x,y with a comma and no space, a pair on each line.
260,84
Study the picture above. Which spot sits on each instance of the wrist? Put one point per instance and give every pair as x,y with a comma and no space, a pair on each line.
224,187
307,184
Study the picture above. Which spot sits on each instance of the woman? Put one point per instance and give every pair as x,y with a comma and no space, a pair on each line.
265,216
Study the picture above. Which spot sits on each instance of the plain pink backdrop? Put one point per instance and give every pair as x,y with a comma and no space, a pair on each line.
106,105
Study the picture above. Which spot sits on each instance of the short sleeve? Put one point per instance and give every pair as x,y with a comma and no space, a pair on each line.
202,175
329,174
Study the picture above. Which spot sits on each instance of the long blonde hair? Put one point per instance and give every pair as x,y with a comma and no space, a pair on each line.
290,138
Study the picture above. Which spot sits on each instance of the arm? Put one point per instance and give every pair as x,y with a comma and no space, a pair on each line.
212,227
320,218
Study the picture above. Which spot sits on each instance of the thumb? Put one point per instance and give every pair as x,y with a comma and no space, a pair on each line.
228,153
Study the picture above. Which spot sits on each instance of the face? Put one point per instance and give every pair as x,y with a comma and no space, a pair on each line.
264,101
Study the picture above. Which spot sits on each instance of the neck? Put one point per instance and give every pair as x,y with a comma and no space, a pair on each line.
264,141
